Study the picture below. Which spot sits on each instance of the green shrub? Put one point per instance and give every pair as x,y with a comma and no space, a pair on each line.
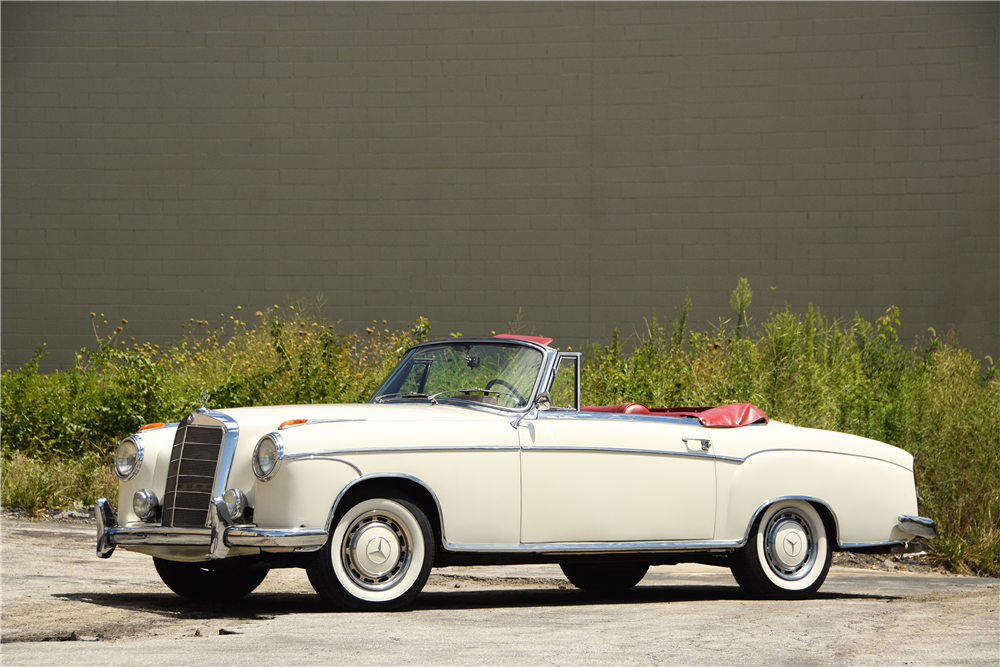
60,429
854,377
121,385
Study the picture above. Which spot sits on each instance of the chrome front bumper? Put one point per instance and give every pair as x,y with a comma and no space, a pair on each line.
218,538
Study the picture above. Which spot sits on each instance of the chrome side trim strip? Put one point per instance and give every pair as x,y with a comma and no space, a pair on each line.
614,450
597,547
310,422
735,459
400,450
847,546
619,416
321,457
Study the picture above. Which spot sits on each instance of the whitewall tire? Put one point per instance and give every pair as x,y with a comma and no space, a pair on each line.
787,555
378,556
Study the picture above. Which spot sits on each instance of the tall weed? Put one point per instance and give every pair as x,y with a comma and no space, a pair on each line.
285,357
58,430
932,400
35,484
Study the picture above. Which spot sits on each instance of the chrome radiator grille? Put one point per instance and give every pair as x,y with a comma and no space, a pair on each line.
194,462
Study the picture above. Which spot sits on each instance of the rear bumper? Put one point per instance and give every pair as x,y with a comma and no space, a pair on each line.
918,525
217,539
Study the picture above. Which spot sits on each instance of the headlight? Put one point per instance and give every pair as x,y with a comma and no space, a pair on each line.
128,457
144,504
267,456
236,502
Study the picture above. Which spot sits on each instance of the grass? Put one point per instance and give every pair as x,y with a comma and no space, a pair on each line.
930,398
35,484
933,400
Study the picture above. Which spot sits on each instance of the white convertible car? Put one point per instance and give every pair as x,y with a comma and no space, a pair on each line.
477,451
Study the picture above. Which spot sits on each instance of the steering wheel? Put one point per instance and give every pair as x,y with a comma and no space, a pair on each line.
503,383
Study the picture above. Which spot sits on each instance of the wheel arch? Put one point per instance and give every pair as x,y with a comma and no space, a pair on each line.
384,484
822,507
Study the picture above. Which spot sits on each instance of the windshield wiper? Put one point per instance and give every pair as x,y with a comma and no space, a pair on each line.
433,398
465,390
409,394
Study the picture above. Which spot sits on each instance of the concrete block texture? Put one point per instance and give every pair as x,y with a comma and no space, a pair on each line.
576,167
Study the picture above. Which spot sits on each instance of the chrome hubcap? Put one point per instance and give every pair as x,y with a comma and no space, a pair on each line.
376,550
789,548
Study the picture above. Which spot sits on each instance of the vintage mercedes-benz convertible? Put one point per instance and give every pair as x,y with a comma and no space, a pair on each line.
477,451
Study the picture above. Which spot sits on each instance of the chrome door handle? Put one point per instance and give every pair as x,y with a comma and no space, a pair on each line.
706,444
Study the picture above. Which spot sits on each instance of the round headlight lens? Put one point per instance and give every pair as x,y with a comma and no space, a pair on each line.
266,456
144,504
128,457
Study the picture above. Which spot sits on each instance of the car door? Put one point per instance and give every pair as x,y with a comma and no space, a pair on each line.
597,477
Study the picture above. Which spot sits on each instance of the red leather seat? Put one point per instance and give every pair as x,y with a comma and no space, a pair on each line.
724,416
627,408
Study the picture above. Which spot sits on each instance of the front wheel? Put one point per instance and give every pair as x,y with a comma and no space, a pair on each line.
604,577
378,557
787,555
208,581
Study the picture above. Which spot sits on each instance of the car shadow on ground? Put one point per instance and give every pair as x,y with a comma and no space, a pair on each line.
263,606
573,597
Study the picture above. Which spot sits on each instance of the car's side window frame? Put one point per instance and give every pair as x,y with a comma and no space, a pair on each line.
573,361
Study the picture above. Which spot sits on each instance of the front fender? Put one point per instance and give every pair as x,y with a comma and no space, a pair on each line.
301,493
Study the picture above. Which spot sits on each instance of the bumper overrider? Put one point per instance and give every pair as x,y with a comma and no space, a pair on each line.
217,538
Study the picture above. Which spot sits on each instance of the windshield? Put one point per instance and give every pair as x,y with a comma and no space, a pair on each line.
500,374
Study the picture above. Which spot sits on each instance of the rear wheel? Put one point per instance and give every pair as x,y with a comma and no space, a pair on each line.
377,558
787,555
604,577
217,581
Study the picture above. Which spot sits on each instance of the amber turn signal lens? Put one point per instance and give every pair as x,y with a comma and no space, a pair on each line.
149,426
292,422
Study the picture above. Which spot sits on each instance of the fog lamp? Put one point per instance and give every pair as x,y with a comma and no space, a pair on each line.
236,502
144,504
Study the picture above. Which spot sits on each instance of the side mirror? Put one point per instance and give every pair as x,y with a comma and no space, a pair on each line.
542,402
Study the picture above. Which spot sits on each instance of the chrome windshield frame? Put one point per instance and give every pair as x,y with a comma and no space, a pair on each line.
549,356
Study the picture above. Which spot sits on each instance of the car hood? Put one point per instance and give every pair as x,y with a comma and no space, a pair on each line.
271,417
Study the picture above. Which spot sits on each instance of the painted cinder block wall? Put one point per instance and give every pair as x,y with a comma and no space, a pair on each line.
585,165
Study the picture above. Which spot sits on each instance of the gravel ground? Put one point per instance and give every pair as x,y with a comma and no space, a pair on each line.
61,605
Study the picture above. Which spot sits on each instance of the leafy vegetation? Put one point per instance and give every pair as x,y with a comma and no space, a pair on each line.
285,357
932,399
